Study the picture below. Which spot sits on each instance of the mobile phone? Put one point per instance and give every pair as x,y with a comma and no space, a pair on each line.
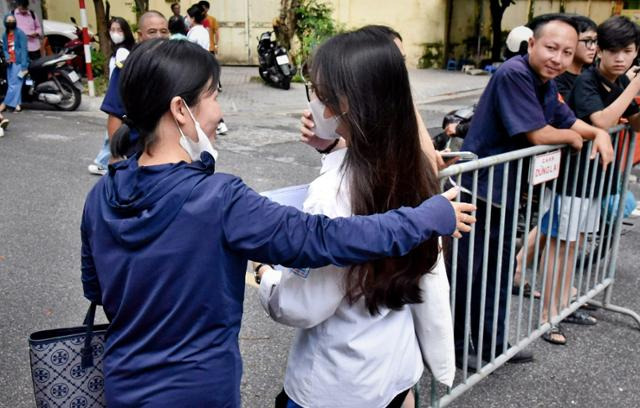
461,155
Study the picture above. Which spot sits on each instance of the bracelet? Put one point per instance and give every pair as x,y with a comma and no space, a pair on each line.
329,148
256,276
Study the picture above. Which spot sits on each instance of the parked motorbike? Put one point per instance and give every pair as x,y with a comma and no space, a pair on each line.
53,81
275,67
50,80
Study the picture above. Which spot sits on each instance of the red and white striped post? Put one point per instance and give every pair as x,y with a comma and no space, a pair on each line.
87,48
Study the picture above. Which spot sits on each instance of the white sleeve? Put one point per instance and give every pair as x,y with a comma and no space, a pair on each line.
434,325
301,297
306,297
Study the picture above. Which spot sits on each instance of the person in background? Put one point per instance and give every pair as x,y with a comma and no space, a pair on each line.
122,42
198,33
28,22
166,238
14,47
175,9
211,24
121,39
584,56
152,24
177,28
601,96
518,108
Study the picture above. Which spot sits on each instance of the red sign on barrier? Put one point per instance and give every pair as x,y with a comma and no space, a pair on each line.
545,167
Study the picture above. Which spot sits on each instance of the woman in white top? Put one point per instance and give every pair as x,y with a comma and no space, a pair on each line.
198,33
365,330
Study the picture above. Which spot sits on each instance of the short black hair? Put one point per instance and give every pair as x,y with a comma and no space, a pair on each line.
617,33
584,23
204,4
174,6
393,34
197,13
542,20
177,25
22,3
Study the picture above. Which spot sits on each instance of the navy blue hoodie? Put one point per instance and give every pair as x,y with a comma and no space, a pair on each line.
164,250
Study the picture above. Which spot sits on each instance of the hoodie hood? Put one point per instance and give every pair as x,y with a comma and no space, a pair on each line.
140,202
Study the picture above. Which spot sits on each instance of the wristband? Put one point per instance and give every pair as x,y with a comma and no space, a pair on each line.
329,148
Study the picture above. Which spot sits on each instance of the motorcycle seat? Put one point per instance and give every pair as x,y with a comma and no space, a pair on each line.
35,64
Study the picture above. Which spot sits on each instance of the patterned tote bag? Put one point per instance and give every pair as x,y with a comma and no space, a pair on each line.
66,365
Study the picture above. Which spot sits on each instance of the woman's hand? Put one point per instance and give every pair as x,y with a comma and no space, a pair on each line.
258,270
307,135
462,210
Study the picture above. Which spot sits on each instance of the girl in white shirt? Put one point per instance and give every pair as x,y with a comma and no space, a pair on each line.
364,330
198,33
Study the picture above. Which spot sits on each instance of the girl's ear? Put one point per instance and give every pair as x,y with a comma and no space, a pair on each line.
178,110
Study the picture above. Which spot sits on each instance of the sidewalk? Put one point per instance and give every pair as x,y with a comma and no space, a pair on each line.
244,91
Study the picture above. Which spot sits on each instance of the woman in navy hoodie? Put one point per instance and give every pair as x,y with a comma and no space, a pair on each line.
165,239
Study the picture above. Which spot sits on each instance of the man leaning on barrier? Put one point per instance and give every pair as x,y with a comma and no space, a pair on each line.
519,108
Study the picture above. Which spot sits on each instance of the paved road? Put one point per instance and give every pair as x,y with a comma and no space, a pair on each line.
43,182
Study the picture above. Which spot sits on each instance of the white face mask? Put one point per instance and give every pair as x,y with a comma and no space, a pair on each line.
194,149
116,37
325,128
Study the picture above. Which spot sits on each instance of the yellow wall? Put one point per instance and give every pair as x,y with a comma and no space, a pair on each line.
418,21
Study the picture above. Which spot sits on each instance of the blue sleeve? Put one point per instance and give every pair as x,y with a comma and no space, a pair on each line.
563,116
517,102
90,283
24,54
262,230
112,102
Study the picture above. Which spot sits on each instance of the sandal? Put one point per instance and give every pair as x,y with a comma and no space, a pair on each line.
526,291
580,317
555,335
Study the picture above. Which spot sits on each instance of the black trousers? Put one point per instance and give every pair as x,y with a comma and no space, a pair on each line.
282,399
34,55
492,285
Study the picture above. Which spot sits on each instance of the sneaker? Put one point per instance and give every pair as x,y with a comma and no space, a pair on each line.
1,132
97,169
4,123
222,128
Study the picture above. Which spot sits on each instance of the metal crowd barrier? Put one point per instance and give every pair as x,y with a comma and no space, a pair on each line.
593,262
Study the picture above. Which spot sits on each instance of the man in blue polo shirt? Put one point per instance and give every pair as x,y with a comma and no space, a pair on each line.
519,108
152,24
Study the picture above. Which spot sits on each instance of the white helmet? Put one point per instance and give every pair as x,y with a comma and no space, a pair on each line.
516,37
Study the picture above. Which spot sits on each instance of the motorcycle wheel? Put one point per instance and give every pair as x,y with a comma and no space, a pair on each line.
73,98
264,75
285,83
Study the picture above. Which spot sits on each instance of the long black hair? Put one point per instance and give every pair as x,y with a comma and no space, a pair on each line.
129,41
362,76
154,73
